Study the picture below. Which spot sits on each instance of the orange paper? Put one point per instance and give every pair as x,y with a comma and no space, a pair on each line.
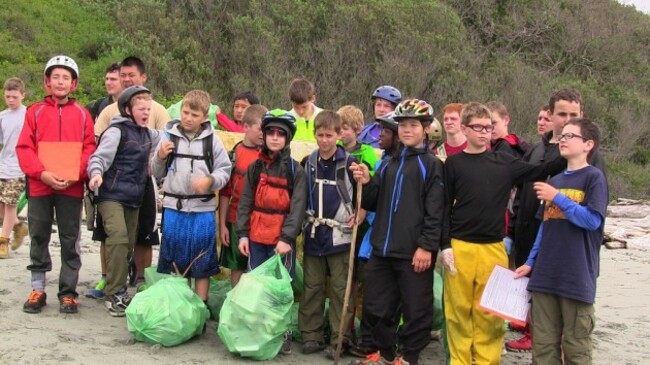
61,158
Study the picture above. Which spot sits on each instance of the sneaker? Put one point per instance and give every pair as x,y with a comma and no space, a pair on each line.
373,359
524,344
20,232
98,291
309,347
517,327
68,305
361,350
117,303
35,302
286,345
4,247
400,361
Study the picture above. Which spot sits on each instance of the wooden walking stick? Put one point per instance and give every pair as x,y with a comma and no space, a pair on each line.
348,285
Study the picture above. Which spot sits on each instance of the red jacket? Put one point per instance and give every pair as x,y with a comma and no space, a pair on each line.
50,122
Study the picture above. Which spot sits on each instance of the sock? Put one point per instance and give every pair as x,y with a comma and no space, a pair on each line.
38,280
139,280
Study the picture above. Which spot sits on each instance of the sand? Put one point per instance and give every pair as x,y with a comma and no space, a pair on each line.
622,334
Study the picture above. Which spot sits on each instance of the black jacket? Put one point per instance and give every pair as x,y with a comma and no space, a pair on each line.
407,194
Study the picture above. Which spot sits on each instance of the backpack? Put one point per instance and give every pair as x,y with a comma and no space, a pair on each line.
207,155
290,172
343,184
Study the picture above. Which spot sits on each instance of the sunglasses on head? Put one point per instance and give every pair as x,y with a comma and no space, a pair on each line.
276,132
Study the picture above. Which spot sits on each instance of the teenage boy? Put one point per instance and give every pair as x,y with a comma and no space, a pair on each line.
302,95
132,73
384,100
12,179
564,104
195,165
122,161
113,88
565,257
478,184
455,140
242,101
273,201
407,194
242,156
543,123
327,237
58,118
501,138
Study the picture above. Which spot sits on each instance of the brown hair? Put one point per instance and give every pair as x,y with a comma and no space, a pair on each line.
16,84
254,114
197,100
570,95
496,107
327,119
474,110
301,90
140,96
352,117
588,130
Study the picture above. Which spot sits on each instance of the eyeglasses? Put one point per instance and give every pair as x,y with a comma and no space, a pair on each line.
479,127
569,136
276,132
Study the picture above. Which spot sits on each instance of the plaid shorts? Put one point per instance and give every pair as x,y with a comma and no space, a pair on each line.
10,190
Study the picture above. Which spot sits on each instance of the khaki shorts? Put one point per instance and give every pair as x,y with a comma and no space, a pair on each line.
10,190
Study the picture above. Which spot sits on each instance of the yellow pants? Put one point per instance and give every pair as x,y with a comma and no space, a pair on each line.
475,336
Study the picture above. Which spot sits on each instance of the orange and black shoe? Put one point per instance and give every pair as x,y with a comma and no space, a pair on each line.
68,305
35,302
372,359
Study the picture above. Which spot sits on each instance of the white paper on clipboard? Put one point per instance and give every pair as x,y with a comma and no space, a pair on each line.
505,296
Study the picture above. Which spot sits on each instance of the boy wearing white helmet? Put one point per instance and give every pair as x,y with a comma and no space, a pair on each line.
59,123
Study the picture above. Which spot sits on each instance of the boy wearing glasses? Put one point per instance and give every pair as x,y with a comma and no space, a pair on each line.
566,252
478,184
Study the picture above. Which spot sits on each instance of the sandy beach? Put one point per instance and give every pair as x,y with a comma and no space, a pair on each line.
622,334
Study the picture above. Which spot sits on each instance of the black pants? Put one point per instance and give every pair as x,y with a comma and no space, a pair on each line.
40,215
391,283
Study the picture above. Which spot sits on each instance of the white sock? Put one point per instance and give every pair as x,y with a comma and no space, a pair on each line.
38,280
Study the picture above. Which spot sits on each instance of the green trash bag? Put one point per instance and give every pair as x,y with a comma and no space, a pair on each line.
293,325
152,276
167,313
438,314
217,295
22,201
255,315
298,283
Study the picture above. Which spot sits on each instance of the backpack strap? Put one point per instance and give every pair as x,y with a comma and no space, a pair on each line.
206,156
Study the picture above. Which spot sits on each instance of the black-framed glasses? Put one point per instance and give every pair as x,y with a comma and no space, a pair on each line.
479,127
569,136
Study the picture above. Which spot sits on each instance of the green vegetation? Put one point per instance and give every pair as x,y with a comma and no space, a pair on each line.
515,51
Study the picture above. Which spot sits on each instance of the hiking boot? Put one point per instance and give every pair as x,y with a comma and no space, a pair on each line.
98,291
330,351
35,302
361,350
372,359
117,303
4,247
517,327
286,345
524,344
309,347
20,232
68,305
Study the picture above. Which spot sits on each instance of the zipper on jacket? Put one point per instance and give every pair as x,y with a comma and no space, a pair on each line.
393,202
60,122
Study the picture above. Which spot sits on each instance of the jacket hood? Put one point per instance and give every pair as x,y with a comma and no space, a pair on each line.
174,127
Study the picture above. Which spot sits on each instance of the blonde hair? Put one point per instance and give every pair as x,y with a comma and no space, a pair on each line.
352,117
499,108
141,96
254,114
197,100
474,110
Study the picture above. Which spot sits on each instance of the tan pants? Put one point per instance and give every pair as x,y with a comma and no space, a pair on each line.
561,325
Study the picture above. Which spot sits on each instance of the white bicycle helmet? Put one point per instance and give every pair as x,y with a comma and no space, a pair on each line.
62,61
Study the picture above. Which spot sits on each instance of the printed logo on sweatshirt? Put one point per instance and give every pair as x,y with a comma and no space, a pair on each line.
552,211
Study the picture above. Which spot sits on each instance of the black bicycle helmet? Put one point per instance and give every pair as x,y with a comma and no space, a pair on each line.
126,95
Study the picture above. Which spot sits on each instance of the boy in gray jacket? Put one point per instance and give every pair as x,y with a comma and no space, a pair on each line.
122,160
195,165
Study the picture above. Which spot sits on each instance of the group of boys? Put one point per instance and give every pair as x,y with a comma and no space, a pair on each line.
420,206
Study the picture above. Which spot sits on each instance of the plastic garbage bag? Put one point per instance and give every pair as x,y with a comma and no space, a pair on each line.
217,295
255,315
167,313
438,314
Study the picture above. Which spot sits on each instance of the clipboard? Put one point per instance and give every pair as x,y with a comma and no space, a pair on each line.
61,158
506,297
